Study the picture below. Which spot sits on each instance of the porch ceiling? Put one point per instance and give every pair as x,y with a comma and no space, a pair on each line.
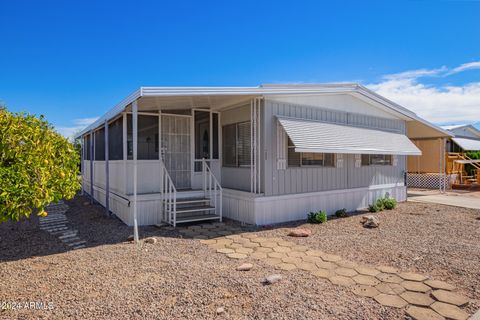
213,102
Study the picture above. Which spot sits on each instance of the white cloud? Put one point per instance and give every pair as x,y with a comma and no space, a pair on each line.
438,104
79,124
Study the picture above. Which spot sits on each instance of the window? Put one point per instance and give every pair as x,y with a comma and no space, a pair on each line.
376,160
236,145
305,159
147,137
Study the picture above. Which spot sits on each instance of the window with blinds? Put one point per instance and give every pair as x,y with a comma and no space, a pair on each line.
236,145
308,159
376,160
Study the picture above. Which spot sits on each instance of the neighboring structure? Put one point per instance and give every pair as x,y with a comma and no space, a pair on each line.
260,155
444,159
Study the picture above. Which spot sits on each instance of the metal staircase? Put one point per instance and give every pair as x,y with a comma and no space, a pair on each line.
191,206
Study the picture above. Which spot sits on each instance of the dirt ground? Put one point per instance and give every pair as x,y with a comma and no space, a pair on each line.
179,278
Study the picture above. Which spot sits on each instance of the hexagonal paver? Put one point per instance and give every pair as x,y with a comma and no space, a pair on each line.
386,269
390,288
224,232
277,255
234,246
346,272
390,300
269,244
292,260
307,266
366,270
449,297
415,286
412,276
365,291
346,264
417,298
297,254
417,313
325,265
323,273
236,255
286,244
262,249
281,249
272,261
249,235
224,241
311,259
285,266
218,246
259,255
342,281
300,248
233,236
388,277
225,250
366,280
259,240
437,284
314,253
331,257
449,311
251,244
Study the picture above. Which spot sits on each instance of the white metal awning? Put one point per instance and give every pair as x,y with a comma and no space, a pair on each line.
467,144
321,137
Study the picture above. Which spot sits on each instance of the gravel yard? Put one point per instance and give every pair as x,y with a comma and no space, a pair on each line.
185,279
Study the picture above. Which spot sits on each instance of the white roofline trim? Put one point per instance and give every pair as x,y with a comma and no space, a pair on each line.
265,89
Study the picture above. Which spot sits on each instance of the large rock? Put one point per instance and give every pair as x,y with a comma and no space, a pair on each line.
271,279
130,238
299,232
370,221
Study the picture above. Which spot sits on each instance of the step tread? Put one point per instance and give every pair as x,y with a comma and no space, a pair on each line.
191,200
195,208
192,218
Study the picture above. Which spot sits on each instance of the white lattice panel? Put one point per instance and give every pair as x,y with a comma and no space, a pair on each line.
428,181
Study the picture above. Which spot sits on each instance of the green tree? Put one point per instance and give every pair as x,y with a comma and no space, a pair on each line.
37,165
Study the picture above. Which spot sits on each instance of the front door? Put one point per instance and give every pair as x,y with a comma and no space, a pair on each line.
176,149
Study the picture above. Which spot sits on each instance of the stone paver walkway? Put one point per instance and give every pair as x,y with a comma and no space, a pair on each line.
422,297
55,224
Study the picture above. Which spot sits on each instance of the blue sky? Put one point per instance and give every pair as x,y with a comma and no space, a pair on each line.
73,60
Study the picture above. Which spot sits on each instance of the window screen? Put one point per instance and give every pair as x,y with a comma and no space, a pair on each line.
215,135
115,140
305,159
376,160
229,138
100,145
243,144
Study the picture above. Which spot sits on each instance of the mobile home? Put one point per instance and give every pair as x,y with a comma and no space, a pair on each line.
259,155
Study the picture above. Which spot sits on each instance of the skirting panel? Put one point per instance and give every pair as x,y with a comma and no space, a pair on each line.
261,210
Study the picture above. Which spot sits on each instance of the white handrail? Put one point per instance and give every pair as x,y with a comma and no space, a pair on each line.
212,187
169,194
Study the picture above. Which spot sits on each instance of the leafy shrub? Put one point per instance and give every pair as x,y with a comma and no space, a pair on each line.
383,203
37,165
341,213
317,217
389,203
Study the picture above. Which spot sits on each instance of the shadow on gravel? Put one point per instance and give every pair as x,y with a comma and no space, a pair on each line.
24,239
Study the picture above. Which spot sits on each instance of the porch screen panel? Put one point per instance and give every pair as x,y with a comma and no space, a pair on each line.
147,137
229,138
215,135
115,140
100,145
86,145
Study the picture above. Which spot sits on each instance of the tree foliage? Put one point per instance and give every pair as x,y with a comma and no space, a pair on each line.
37,165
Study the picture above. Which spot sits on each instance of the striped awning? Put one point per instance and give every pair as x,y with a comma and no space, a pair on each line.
467,144
320,137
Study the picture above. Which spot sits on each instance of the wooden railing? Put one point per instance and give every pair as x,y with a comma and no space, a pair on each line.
169,196
211,188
